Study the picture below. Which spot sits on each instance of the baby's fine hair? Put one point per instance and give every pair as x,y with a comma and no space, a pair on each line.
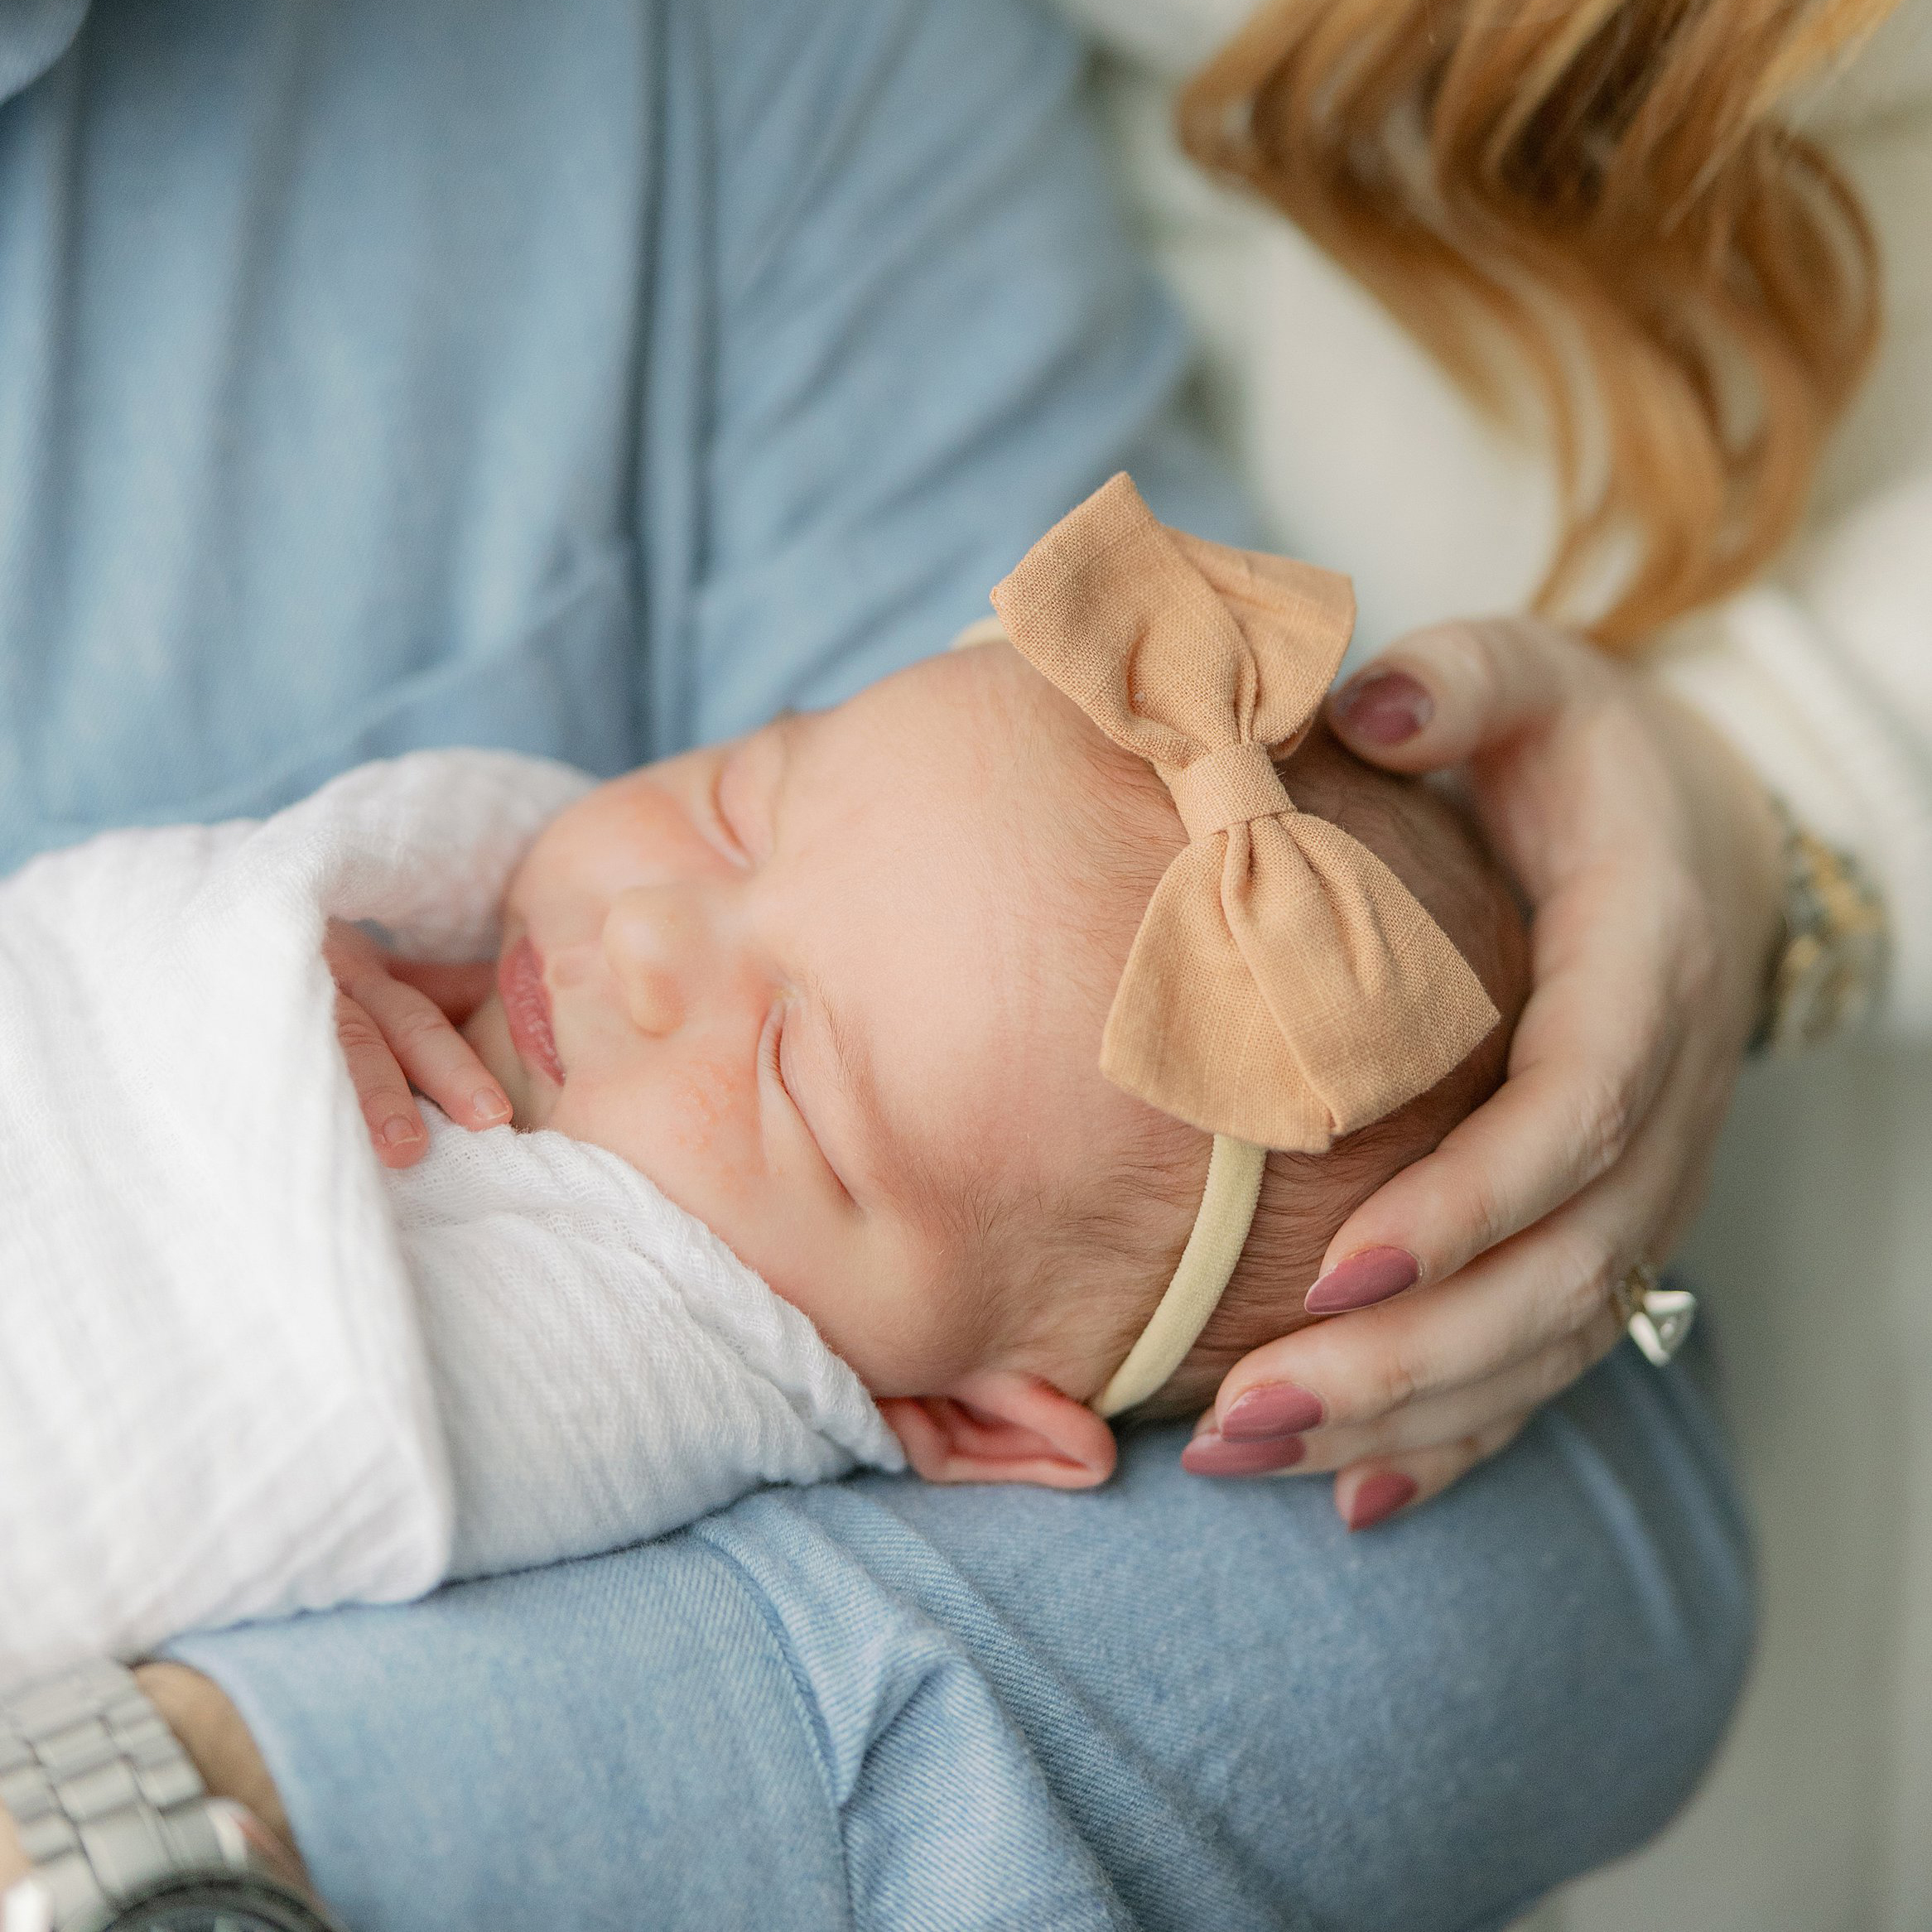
1428,843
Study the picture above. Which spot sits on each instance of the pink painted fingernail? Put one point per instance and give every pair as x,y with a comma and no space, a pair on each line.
398,1130
1379,1498
489,1106
1214,1455
1373,1275
1272,1409
1383,707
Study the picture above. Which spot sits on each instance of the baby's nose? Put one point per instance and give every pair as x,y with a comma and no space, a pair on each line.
644,940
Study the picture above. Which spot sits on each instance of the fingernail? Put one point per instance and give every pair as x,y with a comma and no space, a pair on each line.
398,1130
1383,707
1274,1408
1379,1498
488,1107
1214,1455
1373,1275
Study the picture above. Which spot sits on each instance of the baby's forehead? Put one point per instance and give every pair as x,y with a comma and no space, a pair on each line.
991,685
1015,867
1073,832
1036,750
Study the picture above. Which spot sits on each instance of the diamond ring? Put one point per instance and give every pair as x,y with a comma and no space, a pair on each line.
1656,1318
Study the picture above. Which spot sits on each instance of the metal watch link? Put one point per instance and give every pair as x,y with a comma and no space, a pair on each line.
1831,960
121,1833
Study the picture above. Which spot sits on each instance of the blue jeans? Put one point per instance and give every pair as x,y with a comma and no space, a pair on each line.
592,379
1170,1703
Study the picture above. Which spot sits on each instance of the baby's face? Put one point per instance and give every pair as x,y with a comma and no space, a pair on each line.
822,986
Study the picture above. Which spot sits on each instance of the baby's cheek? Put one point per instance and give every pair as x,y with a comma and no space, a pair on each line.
710,1109
690,1127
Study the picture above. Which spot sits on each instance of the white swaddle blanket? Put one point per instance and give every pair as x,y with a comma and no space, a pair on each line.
244,1371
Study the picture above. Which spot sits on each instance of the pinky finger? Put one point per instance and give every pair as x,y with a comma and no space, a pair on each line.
1369,1492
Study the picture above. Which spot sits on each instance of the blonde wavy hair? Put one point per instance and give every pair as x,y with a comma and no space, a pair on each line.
1608,188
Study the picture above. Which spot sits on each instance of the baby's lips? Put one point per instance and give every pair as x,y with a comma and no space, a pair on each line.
519,981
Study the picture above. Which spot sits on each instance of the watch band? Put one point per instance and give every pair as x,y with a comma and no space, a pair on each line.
105,1802
1832,959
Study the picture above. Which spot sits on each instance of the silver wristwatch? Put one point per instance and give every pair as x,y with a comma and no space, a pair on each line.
121,1832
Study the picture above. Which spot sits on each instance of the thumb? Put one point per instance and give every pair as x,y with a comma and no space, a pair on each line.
1442,695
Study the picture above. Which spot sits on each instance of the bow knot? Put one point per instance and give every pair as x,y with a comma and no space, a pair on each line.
1232,786
1285,987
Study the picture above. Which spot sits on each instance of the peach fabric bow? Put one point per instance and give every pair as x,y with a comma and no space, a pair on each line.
1285,988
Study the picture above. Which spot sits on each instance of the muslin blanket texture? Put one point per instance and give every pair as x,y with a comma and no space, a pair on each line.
243,1370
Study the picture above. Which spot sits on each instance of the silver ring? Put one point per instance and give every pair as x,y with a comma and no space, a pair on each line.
1656,1318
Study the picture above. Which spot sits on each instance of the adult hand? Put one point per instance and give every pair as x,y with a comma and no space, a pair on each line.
1650,857
397,1019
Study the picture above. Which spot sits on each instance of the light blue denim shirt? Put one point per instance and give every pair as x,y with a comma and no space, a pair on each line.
589,379
595,378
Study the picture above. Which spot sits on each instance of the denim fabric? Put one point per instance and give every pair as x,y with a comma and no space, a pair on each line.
1170,1704
591,378
587,380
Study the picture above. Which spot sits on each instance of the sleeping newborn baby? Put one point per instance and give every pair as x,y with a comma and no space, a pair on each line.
945,1073
838,988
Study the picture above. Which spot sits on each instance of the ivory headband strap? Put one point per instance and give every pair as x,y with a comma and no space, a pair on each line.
1284,988
1207,1262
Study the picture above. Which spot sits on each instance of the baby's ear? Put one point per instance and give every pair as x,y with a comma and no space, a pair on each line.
997,1425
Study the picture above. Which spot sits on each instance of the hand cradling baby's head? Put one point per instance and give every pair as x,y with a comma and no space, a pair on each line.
1431,847
837,988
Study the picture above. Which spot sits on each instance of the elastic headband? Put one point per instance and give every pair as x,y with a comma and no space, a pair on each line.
1207,1265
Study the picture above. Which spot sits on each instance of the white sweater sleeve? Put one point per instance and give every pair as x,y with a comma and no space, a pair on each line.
1824,680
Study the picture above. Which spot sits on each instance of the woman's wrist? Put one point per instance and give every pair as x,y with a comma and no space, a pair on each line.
1829,935
1739,834
1833,947
210,1729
